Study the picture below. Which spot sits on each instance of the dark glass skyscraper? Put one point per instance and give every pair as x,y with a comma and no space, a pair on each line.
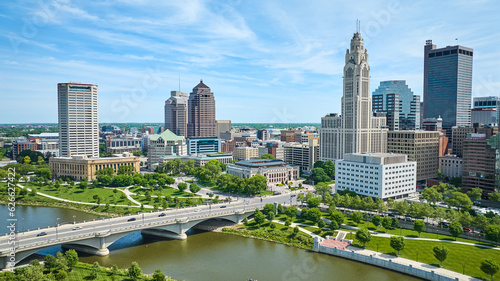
448,84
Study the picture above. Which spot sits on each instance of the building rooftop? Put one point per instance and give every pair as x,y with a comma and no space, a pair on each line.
167,135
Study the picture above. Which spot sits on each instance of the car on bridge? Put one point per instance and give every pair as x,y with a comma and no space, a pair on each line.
41,234
77,228
223,207
162,215
132,219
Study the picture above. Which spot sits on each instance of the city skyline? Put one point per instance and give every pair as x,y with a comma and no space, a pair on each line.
263,65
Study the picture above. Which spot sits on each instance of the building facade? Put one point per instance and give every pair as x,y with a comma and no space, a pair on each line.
222,126
479,163
124,144
291,136
359,131
487,116
201,112
80,167
246,153
200,160
165,144
448,84
176,113
459,134
263,135
78,120
421,147
397,100
450,165
203,145
380,175
302,155
275,171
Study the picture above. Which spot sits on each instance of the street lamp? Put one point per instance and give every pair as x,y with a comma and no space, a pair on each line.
463,268
57,225
378,243
74,219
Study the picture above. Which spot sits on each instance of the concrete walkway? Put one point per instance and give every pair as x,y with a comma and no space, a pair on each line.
300,228
128,193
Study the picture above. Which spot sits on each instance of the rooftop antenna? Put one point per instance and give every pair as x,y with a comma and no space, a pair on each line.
179,82
357,25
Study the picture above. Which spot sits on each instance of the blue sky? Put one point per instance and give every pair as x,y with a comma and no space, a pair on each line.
266,61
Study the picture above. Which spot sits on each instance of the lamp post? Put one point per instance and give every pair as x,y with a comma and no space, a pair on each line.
417,255
57,225
378,243
74,219
463,268
22,221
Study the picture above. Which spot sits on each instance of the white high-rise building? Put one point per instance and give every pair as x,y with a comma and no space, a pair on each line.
359,131
78,120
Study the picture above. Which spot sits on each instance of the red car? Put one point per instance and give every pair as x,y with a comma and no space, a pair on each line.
466,229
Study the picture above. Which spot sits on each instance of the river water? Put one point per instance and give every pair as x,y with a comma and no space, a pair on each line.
211,256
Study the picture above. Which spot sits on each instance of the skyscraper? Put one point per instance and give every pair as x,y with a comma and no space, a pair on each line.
359,131
448,84
201,112
78,122
397,100
176,113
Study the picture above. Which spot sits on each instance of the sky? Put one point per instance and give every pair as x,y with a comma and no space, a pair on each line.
266,61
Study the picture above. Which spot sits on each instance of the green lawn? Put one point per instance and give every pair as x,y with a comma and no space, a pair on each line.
77,194
321,232
181,202
458,254
169,191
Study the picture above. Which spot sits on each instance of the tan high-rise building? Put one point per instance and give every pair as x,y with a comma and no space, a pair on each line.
222,126
78,123
359,131
420,146
176,113
201,112
459,134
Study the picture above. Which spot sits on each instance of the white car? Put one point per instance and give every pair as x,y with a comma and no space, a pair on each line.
77,228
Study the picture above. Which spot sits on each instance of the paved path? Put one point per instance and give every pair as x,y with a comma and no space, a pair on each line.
300,228
128,193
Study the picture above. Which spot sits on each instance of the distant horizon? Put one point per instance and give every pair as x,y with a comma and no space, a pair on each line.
55,123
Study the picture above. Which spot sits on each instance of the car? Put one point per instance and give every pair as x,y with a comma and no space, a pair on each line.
41,234
293,195
77,228
162,215
444,224
223,207
132,219
467,229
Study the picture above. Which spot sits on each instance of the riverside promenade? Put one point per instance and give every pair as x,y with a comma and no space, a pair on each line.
337,247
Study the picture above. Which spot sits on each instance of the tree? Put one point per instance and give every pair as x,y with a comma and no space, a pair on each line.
134,271
432,195
319,175
475,193
31,273
259,218
71,258
296,230
318,164
313,202
455,229
494,196
386,223
367,203
45,173
363,236
61,275
322,189
338,217
313,214
333,225
397,243
376,220
419,226
267,156
272,225
329,168
492,232
440,253
489,267
394,222
270,216
193,187
182,186
158,275
356,217
94,271
26,160
402,207
288,222
269,208
321,223
281,209
245,221
50,262
291,212
459,200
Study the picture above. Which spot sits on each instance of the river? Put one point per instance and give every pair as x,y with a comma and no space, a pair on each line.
211,256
